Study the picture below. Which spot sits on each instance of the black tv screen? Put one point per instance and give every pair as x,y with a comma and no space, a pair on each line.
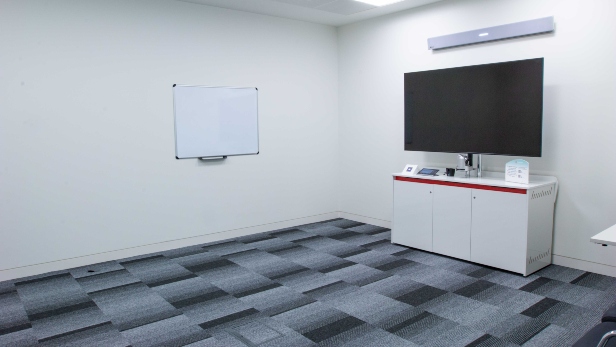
490,109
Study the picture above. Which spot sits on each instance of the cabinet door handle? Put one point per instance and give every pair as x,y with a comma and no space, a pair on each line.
474,197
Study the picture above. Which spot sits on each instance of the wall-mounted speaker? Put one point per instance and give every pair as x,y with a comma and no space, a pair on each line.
500,32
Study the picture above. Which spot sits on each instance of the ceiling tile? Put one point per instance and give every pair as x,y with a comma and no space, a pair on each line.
345,7
329,12
306,3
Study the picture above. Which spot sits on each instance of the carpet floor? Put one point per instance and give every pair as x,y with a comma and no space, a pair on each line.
334,283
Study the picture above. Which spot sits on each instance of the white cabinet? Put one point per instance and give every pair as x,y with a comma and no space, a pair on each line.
451,221
413,215
499,229
487,221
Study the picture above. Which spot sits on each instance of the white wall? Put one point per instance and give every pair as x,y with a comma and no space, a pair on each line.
579,109
87,162
87,156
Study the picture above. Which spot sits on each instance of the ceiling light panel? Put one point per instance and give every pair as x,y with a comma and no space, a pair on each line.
379,2
345,7
306,3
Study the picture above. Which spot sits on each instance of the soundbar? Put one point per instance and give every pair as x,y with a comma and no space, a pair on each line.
500,32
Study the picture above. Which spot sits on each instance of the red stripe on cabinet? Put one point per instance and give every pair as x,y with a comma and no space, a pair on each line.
463,185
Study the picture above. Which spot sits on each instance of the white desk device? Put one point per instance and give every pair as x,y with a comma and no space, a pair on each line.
416,170
409,170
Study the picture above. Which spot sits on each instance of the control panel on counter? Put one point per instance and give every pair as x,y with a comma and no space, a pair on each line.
436,171
429,171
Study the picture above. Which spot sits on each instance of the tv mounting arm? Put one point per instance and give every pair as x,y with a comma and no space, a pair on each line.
468,162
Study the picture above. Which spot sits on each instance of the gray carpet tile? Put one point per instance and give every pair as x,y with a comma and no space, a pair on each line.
334,283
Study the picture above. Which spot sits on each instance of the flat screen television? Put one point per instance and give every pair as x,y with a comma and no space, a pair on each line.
486,109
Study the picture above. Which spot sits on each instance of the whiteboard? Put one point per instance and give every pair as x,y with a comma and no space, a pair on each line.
215,121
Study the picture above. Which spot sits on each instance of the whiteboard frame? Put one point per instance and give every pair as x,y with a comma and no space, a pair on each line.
221,156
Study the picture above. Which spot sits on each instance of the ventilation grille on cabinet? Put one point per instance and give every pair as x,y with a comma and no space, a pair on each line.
542,193
538,257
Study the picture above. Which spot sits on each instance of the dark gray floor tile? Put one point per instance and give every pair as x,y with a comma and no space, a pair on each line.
334,283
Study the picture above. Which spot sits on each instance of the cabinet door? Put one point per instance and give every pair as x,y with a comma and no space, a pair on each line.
451,230
499,227
412,215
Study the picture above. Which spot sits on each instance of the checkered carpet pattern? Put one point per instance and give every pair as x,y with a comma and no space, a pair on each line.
334,283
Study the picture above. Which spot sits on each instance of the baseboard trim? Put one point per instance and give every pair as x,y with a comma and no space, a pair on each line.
584,265
62,264
364,219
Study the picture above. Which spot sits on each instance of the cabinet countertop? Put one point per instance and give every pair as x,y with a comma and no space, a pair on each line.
496,179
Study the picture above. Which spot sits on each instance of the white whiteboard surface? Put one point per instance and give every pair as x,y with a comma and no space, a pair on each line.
215,121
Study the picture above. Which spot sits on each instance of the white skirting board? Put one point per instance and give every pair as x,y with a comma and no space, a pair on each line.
62,264
363,219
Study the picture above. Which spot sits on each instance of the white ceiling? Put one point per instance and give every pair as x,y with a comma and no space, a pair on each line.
330,12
